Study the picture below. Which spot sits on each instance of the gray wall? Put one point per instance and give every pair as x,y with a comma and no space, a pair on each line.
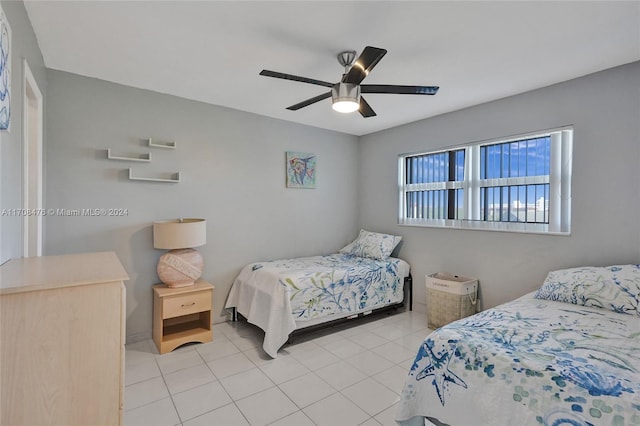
233,175
605,111
23,46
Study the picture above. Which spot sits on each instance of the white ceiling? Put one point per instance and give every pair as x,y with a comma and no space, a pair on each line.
212,51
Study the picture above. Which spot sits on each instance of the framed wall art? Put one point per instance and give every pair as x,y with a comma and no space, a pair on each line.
5,72
301,170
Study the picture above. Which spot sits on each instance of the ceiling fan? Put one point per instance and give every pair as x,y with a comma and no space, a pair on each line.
346,94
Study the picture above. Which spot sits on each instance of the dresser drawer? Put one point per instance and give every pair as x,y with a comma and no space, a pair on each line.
185,304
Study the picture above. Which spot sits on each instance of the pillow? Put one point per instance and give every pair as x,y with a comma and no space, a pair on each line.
616,288
372,245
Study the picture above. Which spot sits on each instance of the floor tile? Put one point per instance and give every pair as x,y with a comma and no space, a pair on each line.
387,417
245,336
188,378
139,351
140,370
258,356
314,357
226,328
143,393
228,415
394,352
302,346
340,375
296,419
413,340
414,322
326,338
177,360
390,331
373,397
246,383
344,376
393,378
199,400
217,349
230,365
307,389
283,368
247,342
335,410
343,348
370,363
368,339
158,413
237,328
267,406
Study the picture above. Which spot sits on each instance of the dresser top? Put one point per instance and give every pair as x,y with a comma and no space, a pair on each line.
39,273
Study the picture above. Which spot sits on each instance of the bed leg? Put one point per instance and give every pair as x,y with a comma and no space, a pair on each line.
234,315
410,292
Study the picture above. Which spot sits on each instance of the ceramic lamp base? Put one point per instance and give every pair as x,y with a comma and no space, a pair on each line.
180,268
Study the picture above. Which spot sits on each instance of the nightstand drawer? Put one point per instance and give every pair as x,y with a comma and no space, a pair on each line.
185,304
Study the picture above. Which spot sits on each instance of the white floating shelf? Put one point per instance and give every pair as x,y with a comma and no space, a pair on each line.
145,158
164,145
175,178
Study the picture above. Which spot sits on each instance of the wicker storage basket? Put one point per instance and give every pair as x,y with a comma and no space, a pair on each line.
449,298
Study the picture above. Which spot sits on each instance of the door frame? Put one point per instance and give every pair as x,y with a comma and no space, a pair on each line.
33,165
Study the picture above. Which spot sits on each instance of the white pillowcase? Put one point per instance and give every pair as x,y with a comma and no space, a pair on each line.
372,245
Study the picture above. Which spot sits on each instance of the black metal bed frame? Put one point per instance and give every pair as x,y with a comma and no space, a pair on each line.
408,294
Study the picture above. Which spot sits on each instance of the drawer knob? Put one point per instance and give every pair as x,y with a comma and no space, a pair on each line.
187,305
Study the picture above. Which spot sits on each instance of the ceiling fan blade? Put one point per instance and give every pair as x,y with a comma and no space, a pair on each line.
365,109
399,90
368,59
284,76
309,101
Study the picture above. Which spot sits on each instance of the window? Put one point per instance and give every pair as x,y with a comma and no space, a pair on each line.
520,184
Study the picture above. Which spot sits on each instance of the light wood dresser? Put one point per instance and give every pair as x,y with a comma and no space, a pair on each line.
62,335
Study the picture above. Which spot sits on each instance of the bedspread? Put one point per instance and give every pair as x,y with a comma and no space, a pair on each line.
528,362
275,295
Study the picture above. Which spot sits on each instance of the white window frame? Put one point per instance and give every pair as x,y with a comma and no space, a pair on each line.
559,180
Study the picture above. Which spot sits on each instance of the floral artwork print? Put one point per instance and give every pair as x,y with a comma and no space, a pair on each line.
5,71
301,170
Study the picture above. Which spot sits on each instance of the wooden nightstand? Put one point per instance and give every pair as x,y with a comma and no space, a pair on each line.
181,315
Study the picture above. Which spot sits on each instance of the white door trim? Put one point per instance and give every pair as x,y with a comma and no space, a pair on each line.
32,177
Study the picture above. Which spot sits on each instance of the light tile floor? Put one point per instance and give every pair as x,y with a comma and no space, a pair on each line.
351,375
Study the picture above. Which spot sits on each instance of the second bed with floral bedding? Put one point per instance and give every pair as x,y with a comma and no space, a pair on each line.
568,354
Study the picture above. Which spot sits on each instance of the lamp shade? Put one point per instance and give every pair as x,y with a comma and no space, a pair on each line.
179,233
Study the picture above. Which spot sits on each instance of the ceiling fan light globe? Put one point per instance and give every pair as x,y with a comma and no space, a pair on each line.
346,106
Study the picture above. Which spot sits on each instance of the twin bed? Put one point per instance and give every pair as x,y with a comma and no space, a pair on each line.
285,297
568,354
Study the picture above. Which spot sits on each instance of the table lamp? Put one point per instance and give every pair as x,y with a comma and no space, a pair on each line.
181,266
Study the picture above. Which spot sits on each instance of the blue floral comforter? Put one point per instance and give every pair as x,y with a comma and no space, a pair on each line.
280,296
528,362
